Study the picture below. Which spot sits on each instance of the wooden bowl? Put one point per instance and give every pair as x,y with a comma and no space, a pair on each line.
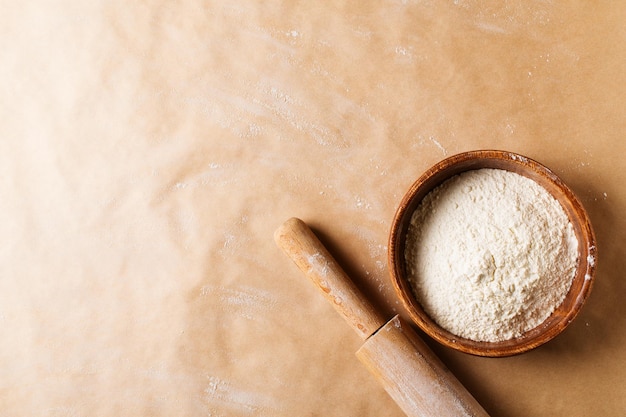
587,251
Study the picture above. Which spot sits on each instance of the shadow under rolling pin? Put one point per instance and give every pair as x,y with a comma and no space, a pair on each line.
406,367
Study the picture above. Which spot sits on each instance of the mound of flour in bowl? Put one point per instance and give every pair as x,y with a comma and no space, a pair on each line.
490,254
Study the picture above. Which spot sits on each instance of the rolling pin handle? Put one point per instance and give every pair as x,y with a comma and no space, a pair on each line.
301,245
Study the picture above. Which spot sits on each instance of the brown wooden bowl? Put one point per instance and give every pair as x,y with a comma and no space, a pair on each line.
587,252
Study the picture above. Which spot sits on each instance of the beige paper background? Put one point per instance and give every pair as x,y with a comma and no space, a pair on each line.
149,149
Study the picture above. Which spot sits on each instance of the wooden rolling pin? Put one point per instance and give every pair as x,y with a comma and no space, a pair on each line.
406,367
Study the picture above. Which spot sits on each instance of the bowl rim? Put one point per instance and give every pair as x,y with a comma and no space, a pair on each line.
510,161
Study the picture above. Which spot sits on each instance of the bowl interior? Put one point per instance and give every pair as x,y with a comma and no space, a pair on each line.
583,279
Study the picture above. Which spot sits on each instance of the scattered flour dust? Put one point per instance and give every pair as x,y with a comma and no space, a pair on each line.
490,254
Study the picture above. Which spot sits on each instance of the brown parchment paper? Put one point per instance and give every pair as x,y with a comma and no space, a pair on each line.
148,150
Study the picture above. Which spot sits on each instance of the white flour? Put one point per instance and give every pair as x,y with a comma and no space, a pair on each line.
490,254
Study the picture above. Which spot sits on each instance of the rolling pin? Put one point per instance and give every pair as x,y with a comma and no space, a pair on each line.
406,367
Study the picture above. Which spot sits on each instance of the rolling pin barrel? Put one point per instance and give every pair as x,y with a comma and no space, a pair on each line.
413,375
408,370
